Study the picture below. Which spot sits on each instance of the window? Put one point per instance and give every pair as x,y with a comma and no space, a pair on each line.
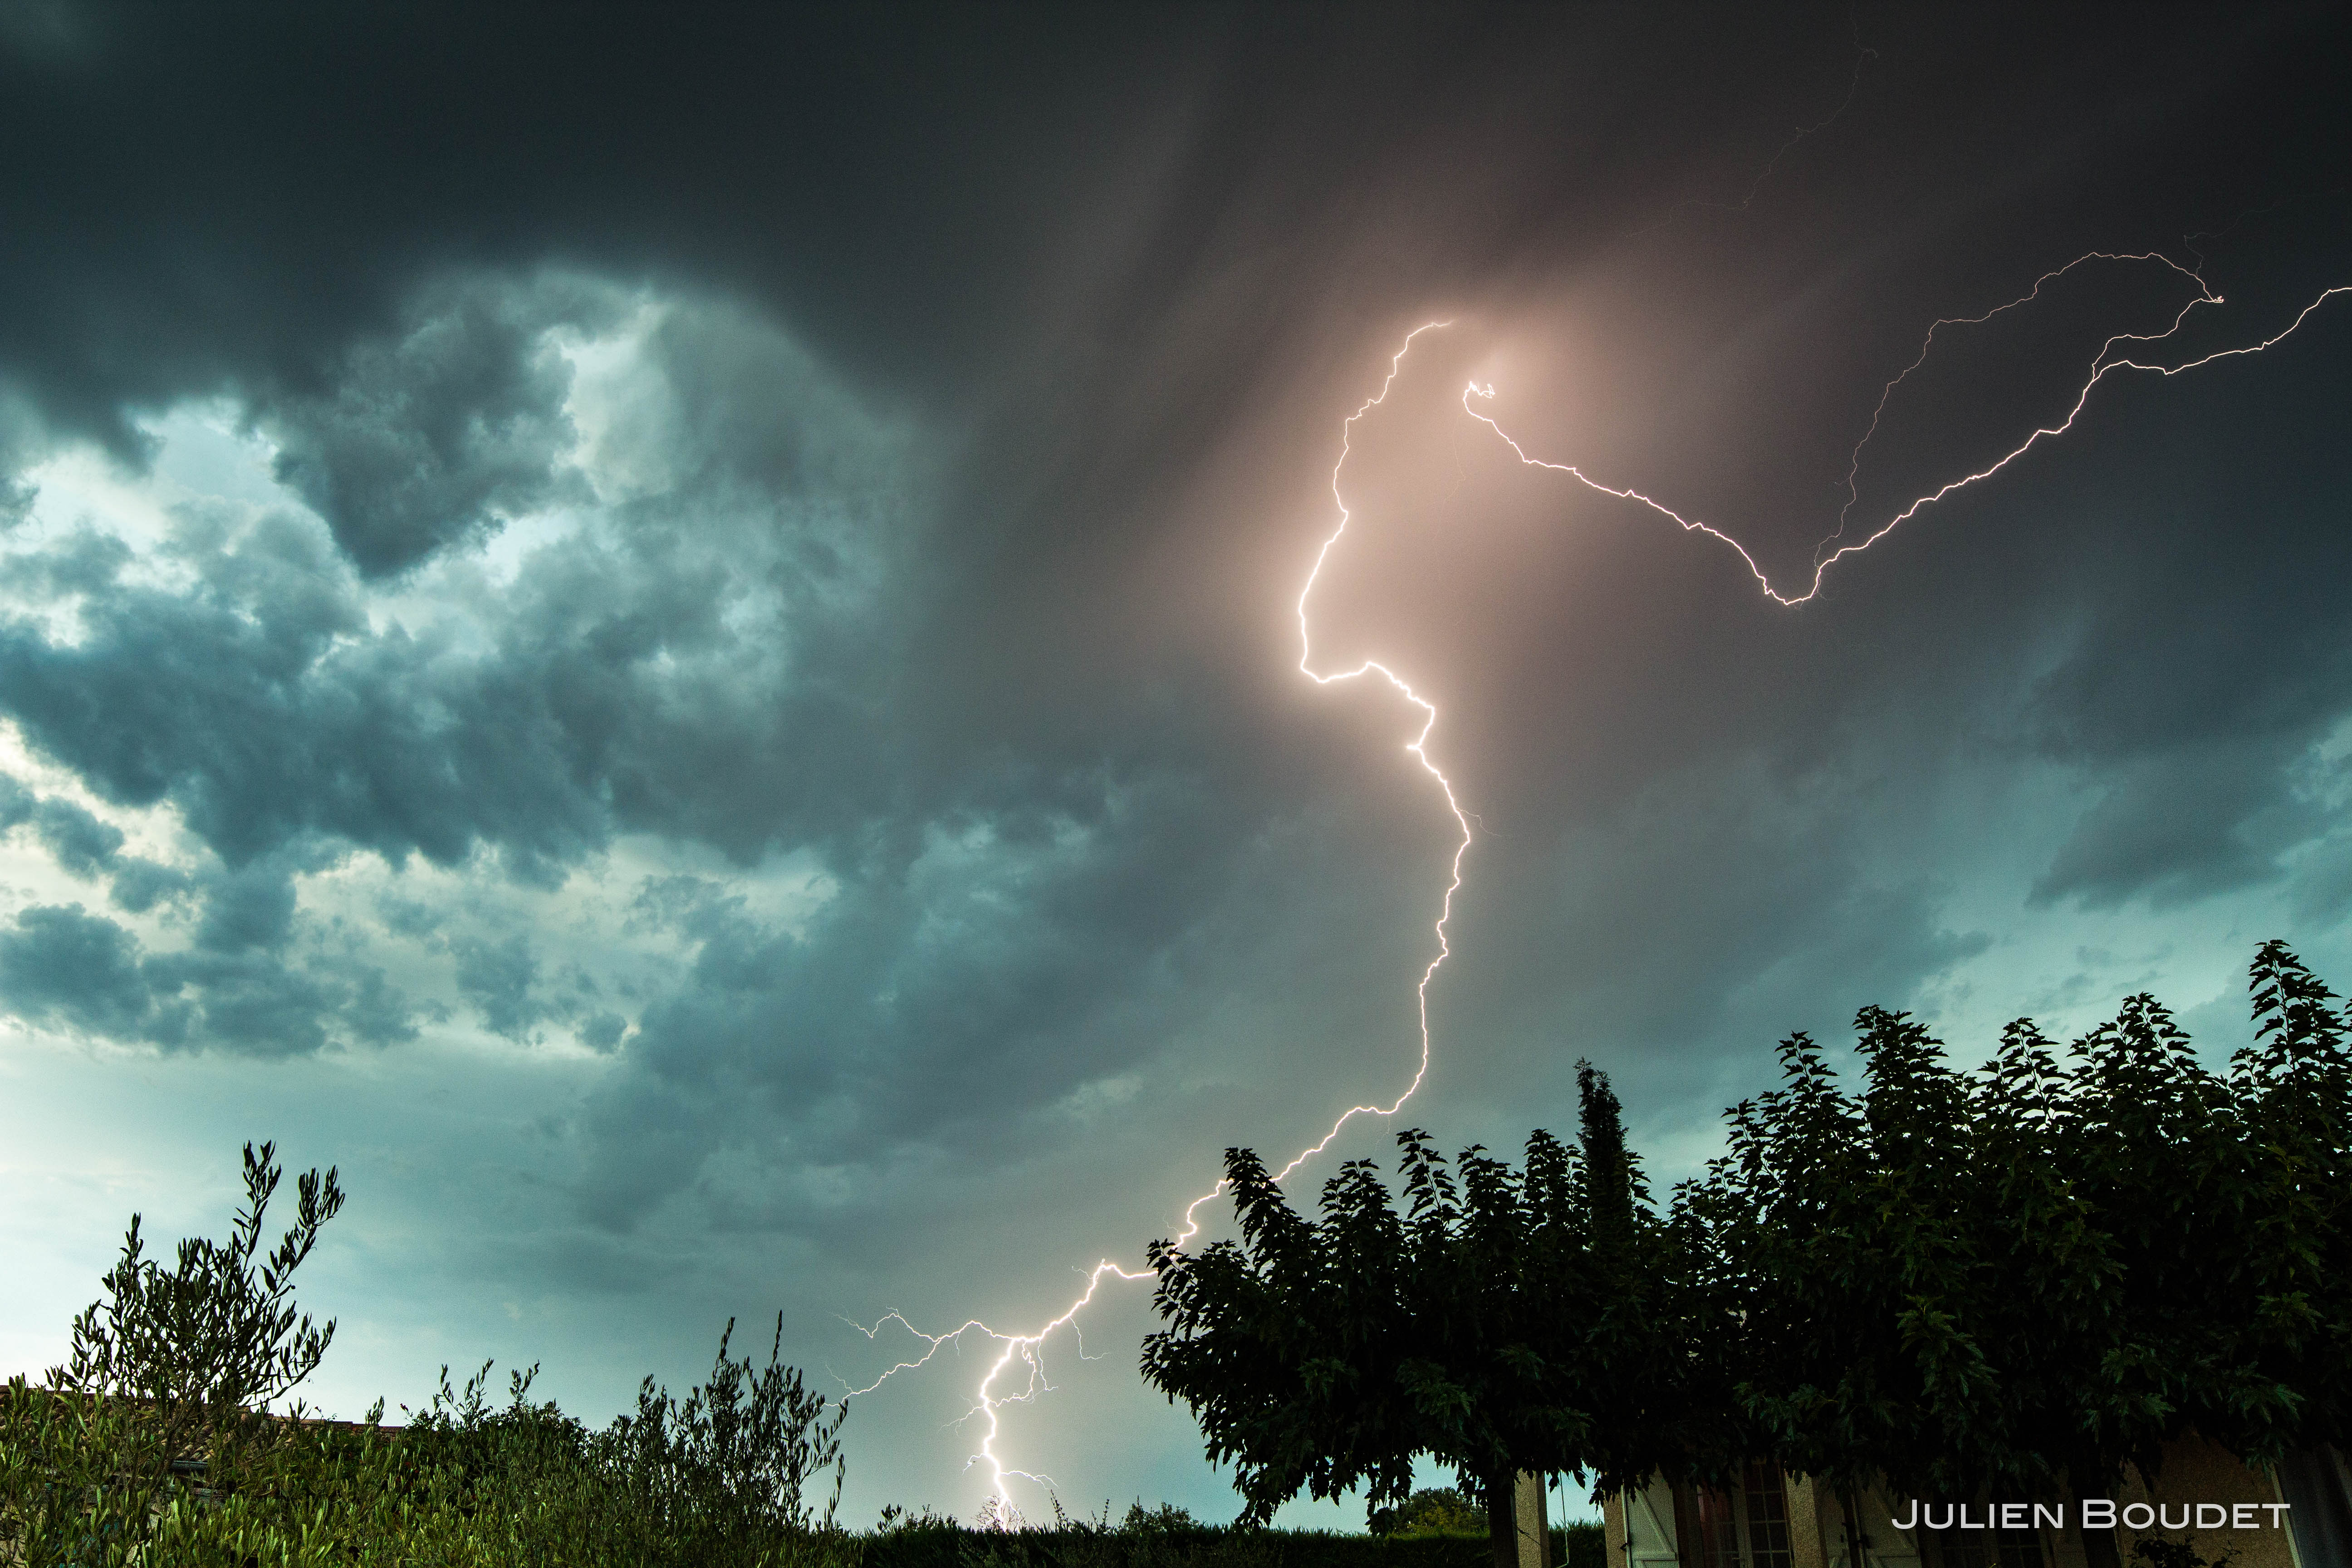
1744,1527
1767,1518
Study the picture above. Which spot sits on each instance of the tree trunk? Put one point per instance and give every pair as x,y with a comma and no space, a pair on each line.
1502,1518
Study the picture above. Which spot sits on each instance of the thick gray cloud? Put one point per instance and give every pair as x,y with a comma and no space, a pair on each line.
496,978
630,678
83,846
67,964
719,646
62,966
430,433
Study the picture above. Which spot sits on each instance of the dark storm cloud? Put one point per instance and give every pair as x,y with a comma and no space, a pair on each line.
613,693
251,907
2193,692
2323,893
429,431
496,978
606,693
297,177
949,997
140,885
87,848
1765,877
245,1003
725,656
2179,827
83,846
412,413
66,964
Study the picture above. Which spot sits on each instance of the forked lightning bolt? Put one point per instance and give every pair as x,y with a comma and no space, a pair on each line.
2117,353
2110,358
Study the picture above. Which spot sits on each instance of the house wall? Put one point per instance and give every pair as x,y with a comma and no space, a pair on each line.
2195,1472
1640,1525
1807,1544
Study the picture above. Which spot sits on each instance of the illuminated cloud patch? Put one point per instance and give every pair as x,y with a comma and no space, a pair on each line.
441,638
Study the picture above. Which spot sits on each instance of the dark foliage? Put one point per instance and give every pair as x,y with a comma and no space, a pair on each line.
2019,1281
934,1543
1504,1321
2027,1278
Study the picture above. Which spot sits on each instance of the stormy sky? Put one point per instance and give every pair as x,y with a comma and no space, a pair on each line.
671,638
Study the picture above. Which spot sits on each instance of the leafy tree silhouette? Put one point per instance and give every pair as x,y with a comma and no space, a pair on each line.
1501,1321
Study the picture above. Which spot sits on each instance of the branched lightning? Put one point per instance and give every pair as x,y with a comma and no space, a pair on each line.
2114,354
2108,359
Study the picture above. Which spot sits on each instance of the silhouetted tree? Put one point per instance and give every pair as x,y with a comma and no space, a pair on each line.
2021,1280
2014,1281
1503,1322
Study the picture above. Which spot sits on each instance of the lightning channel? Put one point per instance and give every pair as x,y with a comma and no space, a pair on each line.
1026,1350
2117,353
1018,1374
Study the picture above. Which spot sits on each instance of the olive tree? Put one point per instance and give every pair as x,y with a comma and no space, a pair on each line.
214,1336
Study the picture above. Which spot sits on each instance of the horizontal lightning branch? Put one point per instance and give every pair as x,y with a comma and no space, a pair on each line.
2114,354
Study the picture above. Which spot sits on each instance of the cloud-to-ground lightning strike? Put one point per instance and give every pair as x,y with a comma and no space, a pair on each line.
2114,354
1027,1347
